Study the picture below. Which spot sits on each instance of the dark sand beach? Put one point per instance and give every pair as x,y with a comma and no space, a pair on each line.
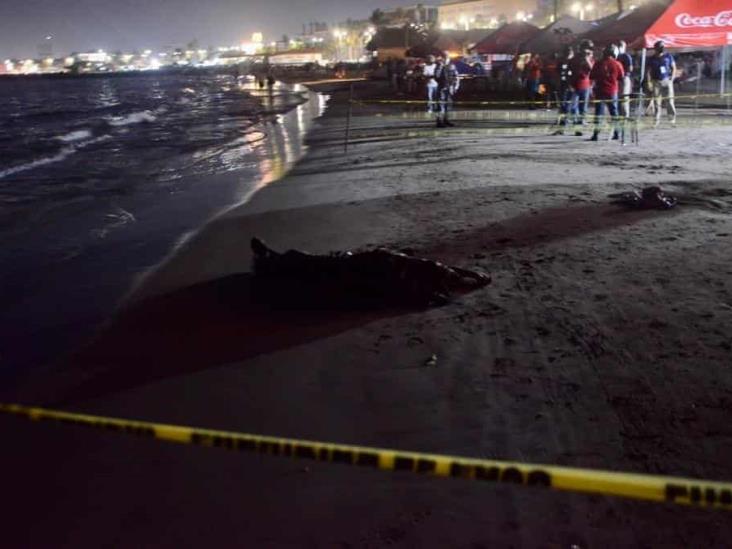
603,341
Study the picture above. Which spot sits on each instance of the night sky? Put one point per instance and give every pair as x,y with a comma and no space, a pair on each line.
82,25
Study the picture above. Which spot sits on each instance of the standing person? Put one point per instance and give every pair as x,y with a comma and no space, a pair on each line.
660,77
391,72
532,73
607,75
581,66
448,83
565,90
550,80
625,59
428,72
401,73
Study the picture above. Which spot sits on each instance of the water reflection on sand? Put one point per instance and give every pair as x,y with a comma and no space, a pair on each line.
285,142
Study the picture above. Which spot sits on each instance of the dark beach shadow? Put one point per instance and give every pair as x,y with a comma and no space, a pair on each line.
542,227
228,320
197,328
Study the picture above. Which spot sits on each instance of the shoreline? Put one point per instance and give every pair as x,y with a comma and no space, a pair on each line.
600,343
106,267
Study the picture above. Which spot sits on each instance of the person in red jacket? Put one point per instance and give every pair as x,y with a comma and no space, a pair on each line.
532,72
580,66
607,75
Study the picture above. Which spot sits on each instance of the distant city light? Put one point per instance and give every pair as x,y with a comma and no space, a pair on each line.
250,48
257,38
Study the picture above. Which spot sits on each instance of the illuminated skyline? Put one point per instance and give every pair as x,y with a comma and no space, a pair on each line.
88,25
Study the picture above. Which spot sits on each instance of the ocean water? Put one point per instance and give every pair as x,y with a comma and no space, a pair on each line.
100,177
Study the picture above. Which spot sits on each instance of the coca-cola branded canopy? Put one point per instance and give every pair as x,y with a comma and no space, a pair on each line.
679,23
508,39
693,23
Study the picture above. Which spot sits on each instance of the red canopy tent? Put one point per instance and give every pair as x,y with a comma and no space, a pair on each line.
508,39
680,24
564,31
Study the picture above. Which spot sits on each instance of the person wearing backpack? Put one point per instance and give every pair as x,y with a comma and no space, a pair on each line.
625,59
660,77
448,83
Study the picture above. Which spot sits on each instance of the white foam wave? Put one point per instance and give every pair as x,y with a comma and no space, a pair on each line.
132,118
77,135
58,157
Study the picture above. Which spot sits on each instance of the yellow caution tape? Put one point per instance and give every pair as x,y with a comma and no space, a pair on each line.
684,491
519,102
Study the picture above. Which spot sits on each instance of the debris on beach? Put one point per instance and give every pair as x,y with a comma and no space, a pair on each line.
378,277
650,198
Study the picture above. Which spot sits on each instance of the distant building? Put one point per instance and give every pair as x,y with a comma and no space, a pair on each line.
93,57
483,14
419,14
298,57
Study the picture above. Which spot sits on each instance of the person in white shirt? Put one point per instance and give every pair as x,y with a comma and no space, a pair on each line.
428,72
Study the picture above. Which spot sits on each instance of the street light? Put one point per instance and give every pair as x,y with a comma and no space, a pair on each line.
338,34
578,8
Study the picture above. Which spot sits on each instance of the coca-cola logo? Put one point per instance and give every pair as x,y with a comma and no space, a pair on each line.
687,21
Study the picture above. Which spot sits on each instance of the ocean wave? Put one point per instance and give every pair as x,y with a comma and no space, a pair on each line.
61,155
132,118
77,135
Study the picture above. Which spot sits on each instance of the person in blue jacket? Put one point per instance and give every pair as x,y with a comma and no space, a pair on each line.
660,77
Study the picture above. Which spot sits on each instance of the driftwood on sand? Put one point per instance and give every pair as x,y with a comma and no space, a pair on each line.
373,278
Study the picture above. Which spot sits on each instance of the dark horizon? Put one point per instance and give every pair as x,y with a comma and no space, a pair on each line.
86,25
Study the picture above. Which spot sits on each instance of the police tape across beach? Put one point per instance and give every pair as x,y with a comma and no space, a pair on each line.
677,490
518,102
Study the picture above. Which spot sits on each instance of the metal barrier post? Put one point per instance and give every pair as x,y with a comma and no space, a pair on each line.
698,85
348,118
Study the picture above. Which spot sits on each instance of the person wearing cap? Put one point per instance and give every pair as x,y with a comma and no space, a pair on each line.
581,67
607,75
428,72
565,91
625,59
446,76
660,77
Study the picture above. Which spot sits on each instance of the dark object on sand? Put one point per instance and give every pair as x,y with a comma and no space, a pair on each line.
372,278
650,198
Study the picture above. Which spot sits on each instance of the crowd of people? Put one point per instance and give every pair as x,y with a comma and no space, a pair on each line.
575,79
611,81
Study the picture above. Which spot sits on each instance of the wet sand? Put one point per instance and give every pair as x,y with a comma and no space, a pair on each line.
603,341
